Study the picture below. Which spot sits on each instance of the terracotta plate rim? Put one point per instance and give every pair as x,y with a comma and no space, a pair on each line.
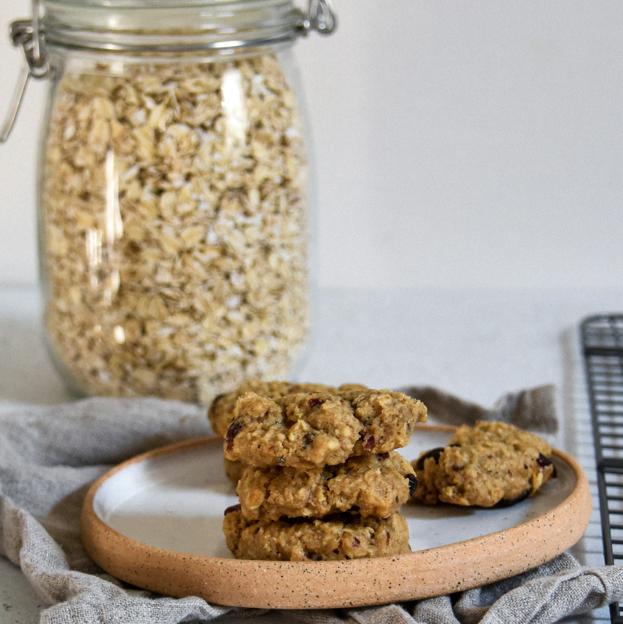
334,584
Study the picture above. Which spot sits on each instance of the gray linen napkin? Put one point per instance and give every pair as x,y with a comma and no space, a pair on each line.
532,408
48,456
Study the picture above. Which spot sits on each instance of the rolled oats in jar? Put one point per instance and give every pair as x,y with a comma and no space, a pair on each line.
173,197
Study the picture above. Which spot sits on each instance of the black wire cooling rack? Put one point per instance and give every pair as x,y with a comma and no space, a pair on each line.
602,344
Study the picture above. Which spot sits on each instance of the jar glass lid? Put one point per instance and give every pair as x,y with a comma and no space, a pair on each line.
169,26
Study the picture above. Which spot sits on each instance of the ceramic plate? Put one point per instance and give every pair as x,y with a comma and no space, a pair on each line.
155,521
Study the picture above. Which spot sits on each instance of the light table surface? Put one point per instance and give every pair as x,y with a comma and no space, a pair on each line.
477,344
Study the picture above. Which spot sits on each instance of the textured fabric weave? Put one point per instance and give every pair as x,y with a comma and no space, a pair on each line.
49,455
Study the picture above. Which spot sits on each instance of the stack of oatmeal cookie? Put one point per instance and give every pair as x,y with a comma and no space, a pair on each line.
316,471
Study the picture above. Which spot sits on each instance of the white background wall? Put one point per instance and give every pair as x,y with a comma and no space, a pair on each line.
470,143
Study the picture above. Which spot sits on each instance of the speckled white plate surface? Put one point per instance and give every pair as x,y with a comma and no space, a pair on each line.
155,521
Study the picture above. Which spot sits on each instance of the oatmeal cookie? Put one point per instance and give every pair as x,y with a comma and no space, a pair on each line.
221,412
490,464
371,485
233,470
343,537
310,429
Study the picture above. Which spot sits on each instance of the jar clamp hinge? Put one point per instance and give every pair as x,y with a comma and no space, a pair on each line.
26,34
320,17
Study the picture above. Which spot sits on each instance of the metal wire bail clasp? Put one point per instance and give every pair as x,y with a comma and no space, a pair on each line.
320,17
25,34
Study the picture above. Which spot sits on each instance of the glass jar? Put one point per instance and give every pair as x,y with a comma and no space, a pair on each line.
173,192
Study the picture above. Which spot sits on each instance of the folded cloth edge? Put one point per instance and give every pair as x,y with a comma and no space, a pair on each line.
38,479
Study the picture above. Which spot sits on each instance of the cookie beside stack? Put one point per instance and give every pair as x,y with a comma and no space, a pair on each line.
492,464
321,479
